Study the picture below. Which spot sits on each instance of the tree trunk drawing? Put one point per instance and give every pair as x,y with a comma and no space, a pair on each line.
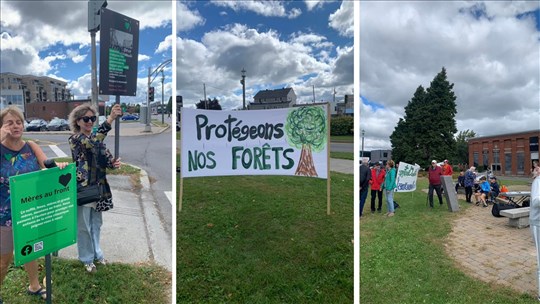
305,165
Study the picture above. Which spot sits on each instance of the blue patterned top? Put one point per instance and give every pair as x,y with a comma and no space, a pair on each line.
13,163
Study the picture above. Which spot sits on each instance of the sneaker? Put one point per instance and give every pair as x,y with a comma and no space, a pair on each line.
102,262
390,214
90,267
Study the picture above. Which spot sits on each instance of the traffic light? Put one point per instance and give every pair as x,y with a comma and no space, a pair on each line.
151,94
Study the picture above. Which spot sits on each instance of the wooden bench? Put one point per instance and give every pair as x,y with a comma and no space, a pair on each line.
517,217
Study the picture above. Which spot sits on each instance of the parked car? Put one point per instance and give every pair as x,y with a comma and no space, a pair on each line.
58,124
37,125
130,117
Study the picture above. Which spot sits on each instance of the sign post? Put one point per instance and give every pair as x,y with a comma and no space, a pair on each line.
119,52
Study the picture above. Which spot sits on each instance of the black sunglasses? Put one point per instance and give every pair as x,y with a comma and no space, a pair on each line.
88,118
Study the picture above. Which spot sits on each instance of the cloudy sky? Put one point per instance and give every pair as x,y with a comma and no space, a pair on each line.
296,44
51,38
490,51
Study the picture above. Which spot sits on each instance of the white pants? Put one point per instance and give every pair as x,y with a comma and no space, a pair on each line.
536,236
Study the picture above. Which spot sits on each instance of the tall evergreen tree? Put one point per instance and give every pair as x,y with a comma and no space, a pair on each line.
427,130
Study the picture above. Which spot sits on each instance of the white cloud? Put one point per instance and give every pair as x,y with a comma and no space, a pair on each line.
269,8
405,44
187,19
268,60
75,56
342,20
164,45
312,4
143,57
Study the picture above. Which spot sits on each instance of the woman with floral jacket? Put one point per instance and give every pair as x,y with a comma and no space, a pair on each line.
91,158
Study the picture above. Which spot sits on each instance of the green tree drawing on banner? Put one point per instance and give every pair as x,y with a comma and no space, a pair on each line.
306,129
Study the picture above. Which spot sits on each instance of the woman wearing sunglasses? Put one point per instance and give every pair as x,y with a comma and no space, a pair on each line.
91,158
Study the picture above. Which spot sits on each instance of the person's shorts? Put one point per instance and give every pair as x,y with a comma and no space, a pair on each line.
6,239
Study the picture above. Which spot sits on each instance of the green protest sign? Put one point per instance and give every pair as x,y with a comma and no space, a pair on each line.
44,212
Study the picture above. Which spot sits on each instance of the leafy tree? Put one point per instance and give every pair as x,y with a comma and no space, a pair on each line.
306,129
427,130
462,146
210,104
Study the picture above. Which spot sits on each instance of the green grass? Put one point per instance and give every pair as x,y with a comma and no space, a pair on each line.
124,169
342,155
342,138
403,260
157,123
265,239
114,283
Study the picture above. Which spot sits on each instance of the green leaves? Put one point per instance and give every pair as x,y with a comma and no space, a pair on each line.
427,130
307,126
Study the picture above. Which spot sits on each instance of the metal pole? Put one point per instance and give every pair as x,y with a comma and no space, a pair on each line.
48,280
362,153
94,75
147,128
162,112
117,132
243,89
204,94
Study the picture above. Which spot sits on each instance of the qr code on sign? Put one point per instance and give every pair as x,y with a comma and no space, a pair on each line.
38,246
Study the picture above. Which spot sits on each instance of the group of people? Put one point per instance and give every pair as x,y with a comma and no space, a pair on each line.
91,158
484,191
379,179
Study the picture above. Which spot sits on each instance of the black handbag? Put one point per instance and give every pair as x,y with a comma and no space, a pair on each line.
498,207
89,194
93,192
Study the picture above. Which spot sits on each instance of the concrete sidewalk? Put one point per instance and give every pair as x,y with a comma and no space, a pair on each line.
486,248
132,231
342,165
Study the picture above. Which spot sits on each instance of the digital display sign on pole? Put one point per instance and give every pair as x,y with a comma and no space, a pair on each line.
119,52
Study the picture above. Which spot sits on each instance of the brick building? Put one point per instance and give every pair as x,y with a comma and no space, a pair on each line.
507,154
60,109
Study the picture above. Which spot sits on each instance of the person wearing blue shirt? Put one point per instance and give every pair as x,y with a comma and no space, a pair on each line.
482,193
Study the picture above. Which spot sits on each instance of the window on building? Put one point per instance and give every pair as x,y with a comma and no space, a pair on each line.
520,162
485,156
476,157
507,163
496,159
385,154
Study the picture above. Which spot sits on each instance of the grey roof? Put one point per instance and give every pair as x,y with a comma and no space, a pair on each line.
267,94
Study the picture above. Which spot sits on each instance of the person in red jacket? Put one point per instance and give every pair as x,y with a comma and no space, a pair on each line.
434,176
377,178
447,168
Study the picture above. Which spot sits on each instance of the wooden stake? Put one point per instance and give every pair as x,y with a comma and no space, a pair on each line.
328,159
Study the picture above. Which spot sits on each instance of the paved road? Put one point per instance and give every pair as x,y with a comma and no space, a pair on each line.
150,152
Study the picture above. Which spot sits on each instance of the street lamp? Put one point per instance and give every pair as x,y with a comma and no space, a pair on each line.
363,133
243,82
159,69
162,112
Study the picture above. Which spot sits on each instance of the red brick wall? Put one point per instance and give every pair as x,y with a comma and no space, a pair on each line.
513,143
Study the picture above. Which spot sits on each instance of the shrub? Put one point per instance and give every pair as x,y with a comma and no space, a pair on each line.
341,125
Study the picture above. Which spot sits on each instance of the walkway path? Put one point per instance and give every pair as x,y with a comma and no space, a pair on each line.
485,247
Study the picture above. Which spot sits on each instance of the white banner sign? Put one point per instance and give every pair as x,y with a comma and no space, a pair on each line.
407,175
290,141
